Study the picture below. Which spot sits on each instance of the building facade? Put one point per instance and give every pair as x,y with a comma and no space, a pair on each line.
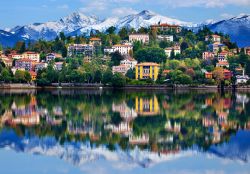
81,50
147,70
166,27
144,38
175,49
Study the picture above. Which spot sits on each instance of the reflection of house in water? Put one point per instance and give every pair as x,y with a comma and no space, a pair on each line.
214,130
57,111
26,115
147,106
243,99
208,121
80,127
123,128
176,127
126,113
139,140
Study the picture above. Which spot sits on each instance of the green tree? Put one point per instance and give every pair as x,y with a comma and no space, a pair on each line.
27,76
116,58
98,76
151,55
107,77
131,73
20,47
111,30
118,80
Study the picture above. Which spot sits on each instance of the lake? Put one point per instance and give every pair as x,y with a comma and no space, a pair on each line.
107,132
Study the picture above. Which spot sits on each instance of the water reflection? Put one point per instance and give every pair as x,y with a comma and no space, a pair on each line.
140,127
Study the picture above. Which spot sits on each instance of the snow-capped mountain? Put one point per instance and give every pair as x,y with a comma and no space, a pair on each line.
80,153
238,28
77,24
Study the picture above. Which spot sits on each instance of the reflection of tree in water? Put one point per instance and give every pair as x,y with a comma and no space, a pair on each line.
182,119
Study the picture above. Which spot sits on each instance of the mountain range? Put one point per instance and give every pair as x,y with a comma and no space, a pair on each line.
78,24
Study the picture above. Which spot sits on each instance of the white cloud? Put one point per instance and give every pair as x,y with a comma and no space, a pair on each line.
226,15
205,3
95,5
64,6
122,11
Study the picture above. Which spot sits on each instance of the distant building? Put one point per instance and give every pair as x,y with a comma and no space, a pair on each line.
123,69
208,75
147,70
222,64
169,38
123,49
144,38
215,47
27,55
52,56
81,50
33,75
241,79
130,62
32,56
207,55
247,50
58,66
166,27
224,55
95,41
25,64
213,38
227,74
6,60
40,66
175,49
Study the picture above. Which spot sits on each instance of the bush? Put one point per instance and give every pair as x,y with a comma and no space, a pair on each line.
118,80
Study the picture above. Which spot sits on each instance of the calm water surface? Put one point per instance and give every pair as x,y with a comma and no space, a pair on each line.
91,132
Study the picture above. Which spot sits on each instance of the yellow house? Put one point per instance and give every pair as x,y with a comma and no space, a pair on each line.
147,70
147,106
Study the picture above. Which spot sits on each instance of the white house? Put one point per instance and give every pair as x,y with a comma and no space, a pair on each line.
52,56
175,49
144,38
169,38
123,69
213,38
242,78
130,62
123,49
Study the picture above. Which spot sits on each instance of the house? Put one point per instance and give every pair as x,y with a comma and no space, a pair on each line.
25,64
208,75
147,106
247,50
168,38
147,70
123,49
52,56
143,38
139,140
58,66
123,69
81,50
222,64
222,56
175,49
215,47
6,60
240,79
95,41
32,56
27,55
109,50
129,61
207,55
227,74
128,114
40,66
213,38
166,27
33,75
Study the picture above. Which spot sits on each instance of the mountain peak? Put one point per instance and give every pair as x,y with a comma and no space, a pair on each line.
146,12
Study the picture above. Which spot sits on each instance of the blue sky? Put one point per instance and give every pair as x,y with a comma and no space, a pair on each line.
20,12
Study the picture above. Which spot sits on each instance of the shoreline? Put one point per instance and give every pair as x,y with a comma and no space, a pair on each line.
127,87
